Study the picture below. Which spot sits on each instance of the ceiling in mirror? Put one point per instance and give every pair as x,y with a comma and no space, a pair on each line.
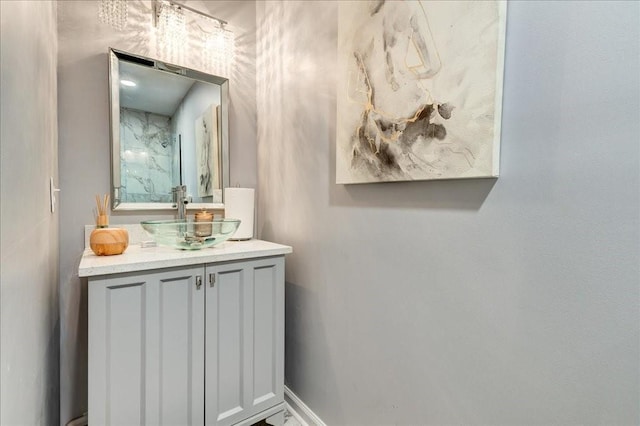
152,91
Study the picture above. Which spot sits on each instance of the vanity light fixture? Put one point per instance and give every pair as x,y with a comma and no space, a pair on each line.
177,27
173,29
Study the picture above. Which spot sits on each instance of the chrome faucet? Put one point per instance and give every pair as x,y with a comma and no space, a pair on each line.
180,200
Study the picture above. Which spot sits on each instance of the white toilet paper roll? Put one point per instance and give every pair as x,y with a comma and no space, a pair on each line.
239,204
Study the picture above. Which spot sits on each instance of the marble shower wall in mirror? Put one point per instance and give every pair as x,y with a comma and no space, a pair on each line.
148,163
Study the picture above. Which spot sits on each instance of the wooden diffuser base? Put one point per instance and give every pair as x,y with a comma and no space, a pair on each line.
109,241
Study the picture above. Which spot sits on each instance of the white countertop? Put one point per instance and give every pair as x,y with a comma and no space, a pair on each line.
136,258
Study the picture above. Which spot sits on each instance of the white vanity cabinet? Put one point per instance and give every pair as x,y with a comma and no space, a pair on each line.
199,344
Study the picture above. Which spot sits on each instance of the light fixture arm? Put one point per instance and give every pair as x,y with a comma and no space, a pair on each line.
157,6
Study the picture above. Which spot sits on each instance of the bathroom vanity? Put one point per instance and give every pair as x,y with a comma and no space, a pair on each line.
186,337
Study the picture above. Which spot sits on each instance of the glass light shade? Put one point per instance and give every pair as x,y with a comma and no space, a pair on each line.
219,50
114,13
171,33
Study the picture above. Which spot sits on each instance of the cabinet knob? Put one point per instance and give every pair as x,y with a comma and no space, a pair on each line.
212,279
198,282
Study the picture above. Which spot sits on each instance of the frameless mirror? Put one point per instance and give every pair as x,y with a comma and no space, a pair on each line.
169,127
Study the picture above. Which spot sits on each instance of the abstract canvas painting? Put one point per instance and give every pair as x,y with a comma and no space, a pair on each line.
419,90
208,152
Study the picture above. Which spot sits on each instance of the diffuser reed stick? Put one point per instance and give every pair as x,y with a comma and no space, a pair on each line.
102,206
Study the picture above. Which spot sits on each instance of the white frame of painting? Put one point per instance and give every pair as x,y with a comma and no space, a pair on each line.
361,120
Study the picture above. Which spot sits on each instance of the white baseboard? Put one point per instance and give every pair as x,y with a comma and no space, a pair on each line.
293,404
300,410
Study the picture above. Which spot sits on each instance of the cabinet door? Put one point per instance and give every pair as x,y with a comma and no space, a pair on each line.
244,339
146,349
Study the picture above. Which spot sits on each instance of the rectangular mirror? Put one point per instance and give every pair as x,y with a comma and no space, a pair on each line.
169,127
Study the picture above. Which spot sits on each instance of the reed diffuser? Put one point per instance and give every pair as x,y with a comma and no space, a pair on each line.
105,241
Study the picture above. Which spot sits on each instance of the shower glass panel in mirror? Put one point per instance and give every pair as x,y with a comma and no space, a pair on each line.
169,127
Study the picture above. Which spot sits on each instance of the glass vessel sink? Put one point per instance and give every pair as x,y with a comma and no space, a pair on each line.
189,235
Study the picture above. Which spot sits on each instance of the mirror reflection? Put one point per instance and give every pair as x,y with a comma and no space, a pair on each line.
169,128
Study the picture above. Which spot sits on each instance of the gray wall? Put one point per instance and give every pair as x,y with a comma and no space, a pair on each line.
508,301
84,147
29,315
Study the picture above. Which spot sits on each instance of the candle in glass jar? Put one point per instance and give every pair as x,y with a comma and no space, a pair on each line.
205,229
